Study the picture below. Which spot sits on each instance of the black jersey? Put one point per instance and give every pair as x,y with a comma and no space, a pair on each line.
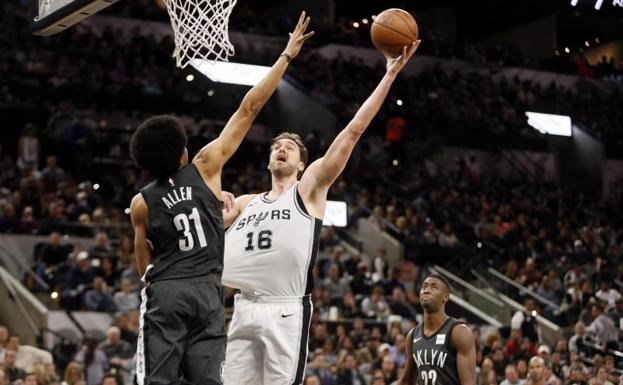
435,356
185,227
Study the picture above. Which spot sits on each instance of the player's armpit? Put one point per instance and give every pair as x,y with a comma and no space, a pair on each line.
410,368
139,215
463,341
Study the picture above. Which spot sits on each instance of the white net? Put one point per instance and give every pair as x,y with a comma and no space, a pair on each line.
200,29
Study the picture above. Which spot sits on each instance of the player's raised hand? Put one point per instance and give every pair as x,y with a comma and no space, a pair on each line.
395,65
298,37
229,200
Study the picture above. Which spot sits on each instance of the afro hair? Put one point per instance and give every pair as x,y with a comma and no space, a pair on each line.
158,145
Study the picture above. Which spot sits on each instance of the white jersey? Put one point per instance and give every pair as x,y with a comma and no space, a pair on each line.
272,246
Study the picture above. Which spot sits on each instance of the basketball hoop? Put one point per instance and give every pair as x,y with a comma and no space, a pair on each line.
200,29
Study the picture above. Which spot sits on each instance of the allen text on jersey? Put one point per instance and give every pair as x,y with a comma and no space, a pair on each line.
174,197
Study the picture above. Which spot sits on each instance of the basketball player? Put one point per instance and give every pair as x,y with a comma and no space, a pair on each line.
271,247
179,233
441,350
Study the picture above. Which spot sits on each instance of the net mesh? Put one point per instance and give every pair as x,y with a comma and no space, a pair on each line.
200,29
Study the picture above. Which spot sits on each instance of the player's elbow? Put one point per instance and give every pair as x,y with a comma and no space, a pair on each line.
357,127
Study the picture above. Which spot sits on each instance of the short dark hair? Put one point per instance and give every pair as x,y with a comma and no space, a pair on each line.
296,138
157,145
442,279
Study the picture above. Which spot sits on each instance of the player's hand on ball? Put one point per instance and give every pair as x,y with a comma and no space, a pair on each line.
395,65
298,37
228,200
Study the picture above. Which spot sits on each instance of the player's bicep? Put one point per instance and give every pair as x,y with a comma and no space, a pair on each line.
410,369
139,216
463,341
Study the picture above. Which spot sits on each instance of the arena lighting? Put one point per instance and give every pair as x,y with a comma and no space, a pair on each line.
127,211
557,53
550,124
586,43
399,102
365,21
567,50
190,77
96,186
54,295
211,93
232,73
335,214
597,40
356,25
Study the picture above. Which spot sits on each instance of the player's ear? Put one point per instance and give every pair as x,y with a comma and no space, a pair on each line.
301,166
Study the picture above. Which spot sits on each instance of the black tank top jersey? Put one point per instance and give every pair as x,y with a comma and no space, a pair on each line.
435,356
185,227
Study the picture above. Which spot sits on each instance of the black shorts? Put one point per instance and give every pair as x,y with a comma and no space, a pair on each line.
182,335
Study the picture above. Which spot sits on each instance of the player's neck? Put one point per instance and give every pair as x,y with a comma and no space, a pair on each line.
433,321
279,185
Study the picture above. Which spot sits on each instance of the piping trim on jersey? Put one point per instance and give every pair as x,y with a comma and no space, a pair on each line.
141,362
263,195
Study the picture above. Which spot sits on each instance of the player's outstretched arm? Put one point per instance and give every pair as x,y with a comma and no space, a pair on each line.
410,368
211,158
324,171
140,218
463,341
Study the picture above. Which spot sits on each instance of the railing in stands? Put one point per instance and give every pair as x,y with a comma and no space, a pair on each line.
522,289
477,297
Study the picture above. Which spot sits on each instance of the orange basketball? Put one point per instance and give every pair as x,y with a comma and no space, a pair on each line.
392,30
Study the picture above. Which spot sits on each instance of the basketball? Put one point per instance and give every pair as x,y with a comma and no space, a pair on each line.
392,30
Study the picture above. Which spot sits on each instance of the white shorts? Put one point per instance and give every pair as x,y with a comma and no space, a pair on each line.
267,340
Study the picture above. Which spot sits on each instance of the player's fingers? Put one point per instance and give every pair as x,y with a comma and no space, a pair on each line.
306,23
308,35
301,18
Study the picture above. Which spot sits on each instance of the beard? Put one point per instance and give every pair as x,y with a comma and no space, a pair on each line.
281,169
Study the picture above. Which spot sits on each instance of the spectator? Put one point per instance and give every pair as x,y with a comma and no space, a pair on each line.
109,379
447,238
511,377
399,306
348,372
28,356
318,367
52,175
12,372
388,367
51,255
608,295
576,342
2,377
28,148
335,286
126,299
375,306
311,379
30,379
576,377
98,298
73,374
114,347
603,327
526,321
537,372
4,338
93,360
77,279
